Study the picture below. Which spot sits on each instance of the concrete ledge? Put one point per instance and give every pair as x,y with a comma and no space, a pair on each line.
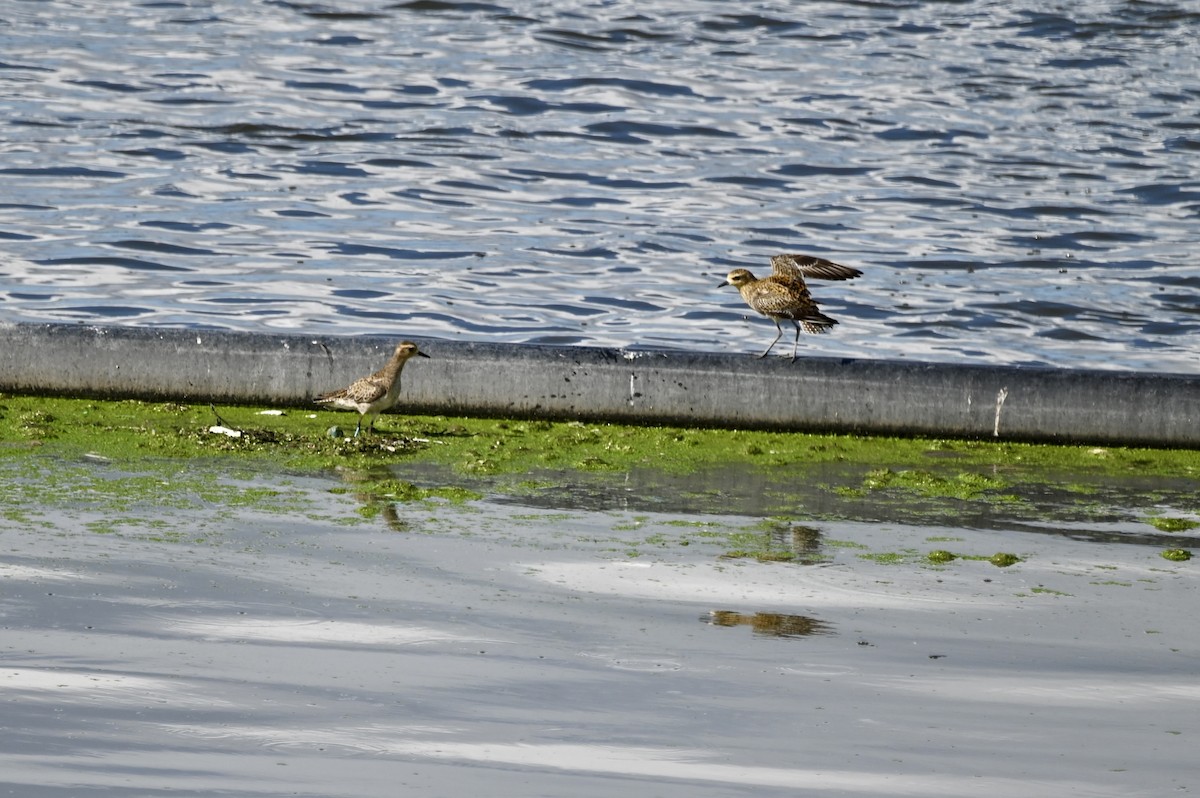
690,389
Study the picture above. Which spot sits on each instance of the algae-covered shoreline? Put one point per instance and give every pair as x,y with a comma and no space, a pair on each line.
189,595
300,439
1073,490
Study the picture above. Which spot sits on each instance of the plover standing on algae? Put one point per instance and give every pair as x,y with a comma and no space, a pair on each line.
371,395
784,295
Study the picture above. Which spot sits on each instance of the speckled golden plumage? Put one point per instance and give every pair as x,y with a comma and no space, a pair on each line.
372,395
785,295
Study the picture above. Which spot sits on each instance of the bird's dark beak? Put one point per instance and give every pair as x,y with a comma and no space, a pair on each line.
724,282
421,354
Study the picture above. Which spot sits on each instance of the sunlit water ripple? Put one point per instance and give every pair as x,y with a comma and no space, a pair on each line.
1018,181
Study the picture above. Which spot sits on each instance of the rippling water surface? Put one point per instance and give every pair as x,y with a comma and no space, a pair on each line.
1018,181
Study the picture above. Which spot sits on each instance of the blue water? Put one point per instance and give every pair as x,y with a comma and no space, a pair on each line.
1018,181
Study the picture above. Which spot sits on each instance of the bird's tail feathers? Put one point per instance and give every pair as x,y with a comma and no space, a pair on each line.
817,323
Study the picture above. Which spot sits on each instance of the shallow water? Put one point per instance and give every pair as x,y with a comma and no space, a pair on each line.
261,636
1018,182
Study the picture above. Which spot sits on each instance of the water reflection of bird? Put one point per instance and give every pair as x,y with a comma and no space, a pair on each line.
371,395
785,295
771,623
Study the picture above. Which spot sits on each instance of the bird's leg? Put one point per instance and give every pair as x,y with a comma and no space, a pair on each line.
359,427
796,343
777,337
370,417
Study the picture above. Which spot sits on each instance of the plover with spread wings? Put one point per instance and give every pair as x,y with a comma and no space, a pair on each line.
785,295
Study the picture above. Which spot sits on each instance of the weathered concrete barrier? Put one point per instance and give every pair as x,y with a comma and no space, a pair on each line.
699,389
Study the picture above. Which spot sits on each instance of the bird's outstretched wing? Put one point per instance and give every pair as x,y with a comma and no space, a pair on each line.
797,267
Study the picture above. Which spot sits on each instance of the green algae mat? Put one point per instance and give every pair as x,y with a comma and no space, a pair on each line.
780,477
303,439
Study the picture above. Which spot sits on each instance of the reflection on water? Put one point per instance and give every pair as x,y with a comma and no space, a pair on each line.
373,503
1015,184
802,541
217,637
770,624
